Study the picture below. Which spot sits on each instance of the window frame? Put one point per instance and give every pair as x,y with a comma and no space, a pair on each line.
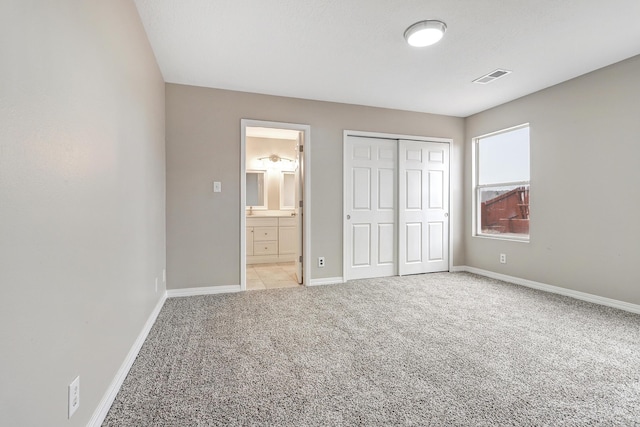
477,188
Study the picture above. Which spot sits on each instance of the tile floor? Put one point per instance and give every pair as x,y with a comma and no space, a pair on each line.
270,276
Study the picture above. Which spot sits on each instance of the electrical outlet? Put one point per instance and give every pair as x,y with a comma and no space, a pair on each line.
156,284
503,258
74,395
217,187
321,261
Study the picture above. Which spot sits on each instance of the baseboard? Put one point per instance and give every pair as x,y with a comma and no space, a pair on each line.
208,290
326,281
107,400
596,299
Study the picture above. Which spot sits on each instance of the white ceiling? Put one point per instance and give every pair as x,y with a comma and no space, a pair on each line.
353,51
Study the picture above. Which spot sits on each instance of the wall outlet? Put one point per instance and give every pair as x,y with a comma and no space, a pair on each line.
217,187
320,261
156,284
503,258
74,395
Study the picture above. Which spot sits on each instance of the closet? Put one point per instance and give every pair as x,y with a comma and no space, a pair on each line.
396,206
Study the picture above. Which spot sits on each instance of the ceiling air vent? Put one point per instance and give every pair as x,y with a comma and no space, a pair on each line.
488,78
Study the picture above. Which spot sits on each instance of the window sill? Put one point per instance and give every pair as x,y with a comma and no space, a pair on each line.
504,236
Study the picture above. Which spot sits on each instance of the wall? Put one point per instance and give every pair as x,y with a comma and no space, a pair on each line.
81,201
203,145
585,136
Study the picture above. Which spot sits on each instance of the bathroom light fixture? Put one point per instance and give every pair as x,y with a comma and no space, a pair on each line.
274,160
425,33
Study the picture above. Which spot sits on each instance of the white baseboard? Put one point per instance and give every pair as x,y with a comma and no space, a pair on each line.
326,281
107,400
209,290
622,305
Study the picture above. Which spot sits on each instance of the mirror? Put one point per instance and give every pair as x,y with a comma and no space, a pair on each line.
288,191
256,189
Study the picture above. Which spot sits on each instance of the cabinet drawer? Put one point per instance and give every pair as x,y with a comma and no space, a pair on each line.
262,222
260,234
290,222
265,248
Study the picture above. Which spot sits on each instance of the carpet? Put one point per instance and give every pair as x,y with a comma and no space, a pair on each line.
444,349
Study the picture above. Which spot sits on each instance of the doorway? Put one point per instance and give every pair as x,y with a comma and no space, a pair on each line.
274,204
396,205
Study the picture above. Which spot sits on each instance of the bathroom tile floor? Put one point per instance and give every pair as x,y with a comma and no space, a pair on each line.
270,276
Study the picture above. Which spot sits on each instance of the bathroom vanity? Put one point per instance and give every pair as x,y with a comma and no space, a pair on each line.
271,239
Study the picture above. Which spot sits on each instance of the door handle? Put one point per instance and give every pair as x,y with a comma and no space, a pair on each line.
348,216
446,214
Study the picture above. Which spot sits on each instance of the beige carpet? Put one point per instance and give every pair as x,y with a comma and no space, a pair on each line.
439,349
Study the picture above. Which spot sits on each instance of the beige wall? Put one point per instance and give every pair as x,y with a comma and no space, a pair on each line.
585,148
203,145
81,201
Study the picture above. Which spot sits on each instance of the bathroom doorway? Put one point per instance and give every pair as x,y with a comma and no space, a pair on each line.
274,220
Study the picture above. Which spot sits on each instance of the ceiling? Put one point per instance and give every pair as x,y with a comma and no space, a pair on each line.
353,51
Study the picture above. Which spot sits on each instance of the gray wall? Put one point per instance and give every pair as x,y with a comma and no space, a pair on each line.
81,201
203,145
585,204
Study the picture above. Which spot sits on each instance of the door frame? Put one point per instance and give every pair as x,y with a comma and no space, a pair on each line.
365,134
306,207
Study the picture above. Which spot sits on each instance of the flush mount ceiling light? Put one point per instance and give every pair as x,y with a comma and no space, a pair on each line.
425,33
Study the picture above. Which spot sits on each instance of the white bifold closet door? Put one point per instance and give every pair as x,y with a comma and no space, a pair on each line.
396,207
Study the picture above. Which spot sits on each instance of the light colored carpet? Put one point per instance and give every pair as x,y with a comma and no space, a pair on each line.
440,349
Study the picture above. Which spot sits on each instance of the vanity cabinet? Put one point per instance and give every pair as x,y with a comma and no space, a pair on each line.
249,245
271,239
287,236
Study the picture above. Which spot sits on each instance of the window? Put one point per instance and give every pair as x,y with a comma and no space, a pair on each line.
502,184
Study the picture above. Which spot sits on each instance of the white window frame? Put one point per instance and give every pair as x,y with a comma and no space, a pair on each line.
477,232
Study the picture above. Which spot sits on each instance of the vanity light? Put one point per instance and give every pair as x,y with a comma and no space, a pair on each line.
276,161
425,33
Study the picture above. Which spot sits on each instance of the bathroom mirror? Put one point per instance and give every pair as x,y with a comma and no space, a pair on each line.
256,189
287,190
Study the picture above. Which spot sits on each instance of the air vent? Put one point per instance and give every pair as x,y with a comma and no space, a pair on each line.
488,78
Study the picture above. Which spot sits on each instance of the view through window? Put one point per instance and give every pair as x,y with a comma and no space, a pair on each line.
502,184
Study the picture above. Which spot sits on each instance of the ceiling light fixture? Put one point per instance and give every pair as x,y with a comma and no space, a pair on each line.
425,33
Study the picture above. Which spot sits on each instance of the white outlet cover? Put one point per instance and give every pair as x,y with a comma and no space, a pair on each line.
74,396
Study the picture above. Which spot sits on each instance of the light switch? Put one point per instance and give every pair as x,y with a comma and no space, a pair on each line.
217,187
